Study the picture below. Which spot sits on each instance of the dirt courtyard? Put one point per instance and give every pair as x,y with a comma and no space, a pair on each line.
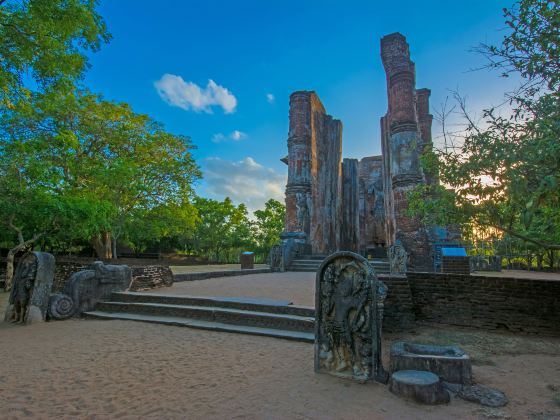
123,369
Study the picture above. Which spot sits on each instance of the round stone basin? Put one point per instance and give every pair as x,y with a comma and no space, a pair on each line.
450,363
427,350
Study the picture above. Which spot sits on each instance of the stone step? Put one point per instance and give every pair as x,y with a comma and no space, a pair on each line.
317,257
250,304
307,262
307,337
212,314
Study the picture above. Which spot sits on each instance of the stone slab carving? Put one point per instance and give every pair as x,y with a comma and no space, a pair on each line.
349,309
31,288
85,288
275,259
397,258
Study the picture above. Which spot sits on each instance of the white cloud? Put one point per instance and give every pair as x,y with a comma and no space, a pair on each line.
188,95
218,137
244,181
270,98
235,135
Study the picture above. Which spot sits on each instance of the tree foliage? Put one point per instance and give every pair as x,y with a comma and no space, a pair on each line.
43,45
505,170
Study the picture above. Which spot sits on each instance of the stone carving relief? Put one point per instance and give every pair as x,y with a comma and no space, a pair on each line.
85,288
275,258
302,212
397,258
31,288
349,302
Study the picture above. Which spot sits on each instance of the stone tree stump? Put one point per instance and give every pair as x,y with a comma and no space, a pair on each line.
418,385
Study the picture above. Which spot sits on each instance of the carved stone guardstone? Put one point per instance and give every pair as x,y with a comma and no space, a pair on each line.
349,311
397,258
31,288
85,288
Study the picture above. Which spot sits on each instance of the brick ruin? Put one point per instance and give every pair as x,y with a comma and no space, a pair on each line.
360,205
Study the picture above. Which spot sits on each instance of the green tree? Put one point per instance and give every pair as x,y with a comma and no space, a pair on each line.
269,224
505,172
223,230
92,167
43,45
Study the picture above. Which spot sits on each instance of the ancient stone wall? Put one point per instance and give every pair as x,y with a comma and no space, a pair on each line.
144,277
351,201
314,173
371,204
495,303
361,206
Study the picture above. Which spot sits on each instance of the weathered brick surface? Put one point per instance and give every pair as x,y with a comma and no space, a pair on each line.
518,305
399,307
144,277
458,265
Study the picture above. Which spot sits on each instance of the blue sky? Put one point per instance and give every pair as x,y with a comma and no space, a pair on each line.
221,72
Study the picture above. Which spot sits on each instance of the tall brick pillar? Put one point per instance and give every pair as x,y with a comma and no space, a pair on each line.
402,146
313,191
300,155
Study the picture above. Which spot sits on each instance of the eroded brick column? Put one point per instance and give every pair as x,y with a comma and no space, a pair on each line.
403,146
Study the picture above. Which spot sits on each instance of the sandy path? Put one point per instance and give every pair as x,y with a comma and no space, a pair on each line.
296,287
120,369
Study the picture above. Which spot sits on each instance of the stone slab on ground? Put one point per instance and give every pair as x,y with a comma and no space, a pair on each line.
483,395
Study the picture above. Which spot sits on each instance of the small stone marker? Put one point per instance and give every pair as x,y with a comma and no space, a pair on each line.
420,386
247,260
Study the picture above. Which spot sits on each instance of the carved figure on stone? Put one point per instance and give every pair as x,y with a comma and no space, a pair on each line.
397,258
31,288
275,258
85,288
302,213
347,324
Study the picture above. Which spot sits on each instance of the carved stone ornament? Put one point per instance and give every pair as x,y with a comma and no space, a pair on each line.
31,288
349,309
397,258
85,288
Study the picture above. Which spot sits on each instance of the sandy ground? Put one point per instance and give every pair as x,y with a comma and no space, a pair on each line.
122,369
183,269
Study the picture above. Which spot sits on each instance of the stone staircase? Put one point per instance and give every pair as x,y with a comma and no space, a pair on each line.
263,317
311,263
380,265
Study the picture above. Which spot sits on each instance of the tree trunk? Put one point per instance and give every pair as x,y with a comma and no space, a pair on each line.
114,247
102,245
